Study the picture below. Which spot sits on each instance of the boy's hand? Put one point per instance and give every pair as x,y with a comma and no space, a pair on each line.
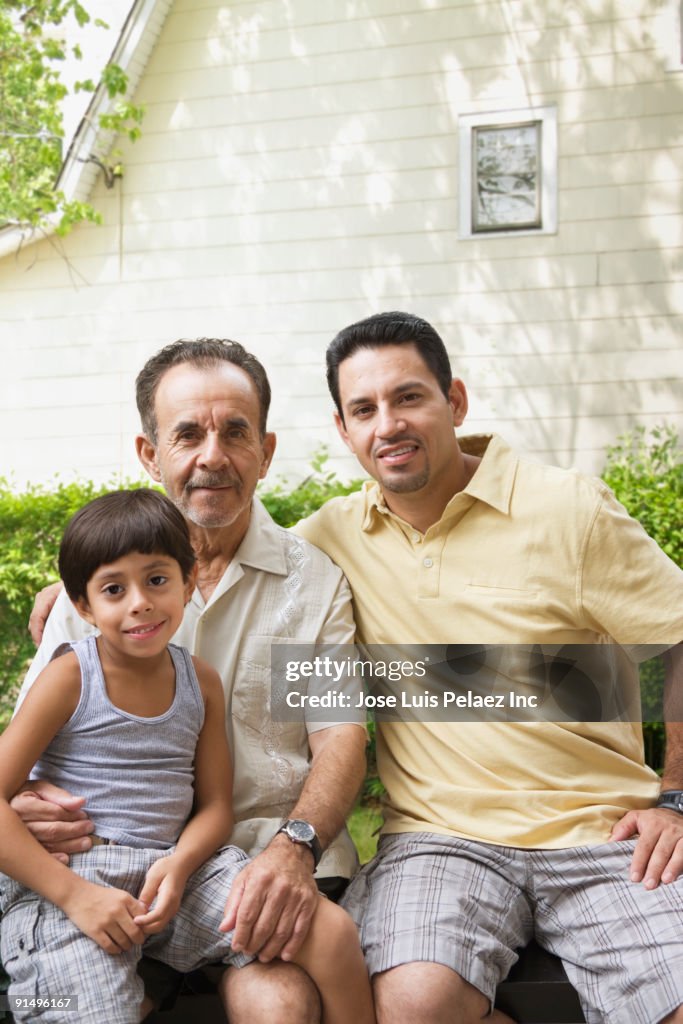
164,886
106,915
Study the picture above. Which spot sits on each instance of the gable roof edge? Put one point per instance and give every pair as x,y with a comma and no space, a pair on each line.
78,174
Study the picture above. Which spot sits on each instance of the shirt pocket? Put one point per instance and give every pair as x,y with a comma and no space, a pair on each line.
501,593
252,692
514,614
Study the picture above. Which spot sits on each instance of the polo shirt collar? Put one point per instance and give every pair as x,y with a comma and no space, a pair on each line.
492,483
494,479
375,504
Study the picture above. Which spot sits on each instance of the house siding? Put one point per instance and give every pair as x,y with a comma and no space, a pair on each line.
298,169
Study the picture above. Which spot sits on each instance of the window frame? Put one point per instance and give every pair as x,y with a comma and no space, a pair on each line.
468,124
675,35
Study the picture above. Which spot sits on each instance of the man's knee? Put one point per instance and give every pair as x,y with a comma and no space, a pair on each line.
674,1018
263,993
431,993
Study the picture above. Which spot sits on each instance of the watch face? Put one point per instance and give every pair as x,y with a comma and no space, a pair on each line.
300,831
672,799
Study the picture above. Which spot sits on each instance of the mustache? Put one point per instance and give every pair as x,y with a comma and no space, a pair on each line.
211,480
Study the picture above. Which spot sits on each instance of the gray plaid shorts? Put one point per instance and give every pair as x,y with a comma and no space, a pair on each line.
470,906
46,956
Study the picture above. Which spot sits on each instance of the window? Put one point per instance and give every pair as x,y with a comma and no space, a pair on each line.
508,172
675,36
667,28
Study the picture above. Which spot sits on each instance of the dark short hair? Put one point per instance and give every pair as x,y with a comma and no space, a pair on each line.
115,524
202,353
391,328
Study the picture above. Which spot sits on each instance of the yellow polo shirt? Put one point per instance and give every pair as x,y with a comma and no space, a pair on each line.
525,554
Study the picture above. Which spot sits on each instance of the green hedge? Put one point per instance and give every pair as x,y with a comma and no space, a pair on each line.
31,527
644,470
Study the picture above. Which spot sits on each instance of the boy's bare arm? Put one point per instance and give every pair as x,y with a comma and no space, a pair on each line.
54,816
211,823
104,914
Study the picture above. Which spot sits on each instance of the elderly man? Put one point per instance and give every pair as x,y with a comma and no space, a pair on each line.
495,831
203,407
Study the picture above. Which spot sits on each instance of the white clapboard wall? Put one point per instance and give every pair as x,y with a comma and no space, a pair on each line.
298,170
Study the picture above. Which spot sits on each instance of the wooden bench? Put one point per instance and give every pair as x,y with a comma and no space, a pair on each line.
537,991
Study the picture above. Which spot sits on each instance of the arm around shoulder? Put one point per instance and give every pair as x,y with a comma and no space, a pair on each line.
42,606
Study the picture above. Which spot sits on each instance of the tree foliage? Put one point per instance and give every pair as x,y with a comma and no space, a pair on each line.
288,506
31,527
32,52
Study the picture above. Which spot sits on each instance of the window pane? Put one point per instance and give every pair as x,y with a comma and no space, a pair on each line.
507,172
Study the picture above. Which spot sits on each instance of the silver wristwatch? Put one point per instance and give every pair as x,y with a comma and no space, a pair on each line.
300,831
671,799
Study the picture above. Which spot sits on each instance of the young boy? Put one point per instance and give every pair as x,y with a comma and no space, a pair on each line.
137,726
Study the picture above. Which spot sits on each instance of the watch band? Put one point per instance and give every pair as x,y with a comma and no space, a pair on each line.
302,832
671,800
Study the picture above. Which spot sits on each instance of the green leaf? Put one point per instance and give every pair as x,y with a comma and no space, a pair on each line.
31,125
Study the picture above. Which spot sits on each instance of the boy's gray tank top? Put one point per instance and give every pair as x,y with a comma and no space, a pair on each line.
136,774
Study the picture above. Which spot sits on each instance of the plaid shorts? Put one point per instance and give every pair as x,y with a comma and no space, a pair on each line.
47,956
470,906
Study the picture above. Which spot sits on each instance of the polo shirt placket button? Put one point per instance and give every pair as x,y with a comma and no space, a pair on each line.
428,576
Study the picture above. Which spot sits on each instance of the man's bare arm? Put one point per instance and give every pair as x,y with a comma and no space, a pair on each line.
672,777
658,855
272,900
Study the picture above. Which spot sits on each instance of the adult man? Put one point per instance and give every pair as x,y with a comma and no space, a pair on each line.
494,830
203,407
